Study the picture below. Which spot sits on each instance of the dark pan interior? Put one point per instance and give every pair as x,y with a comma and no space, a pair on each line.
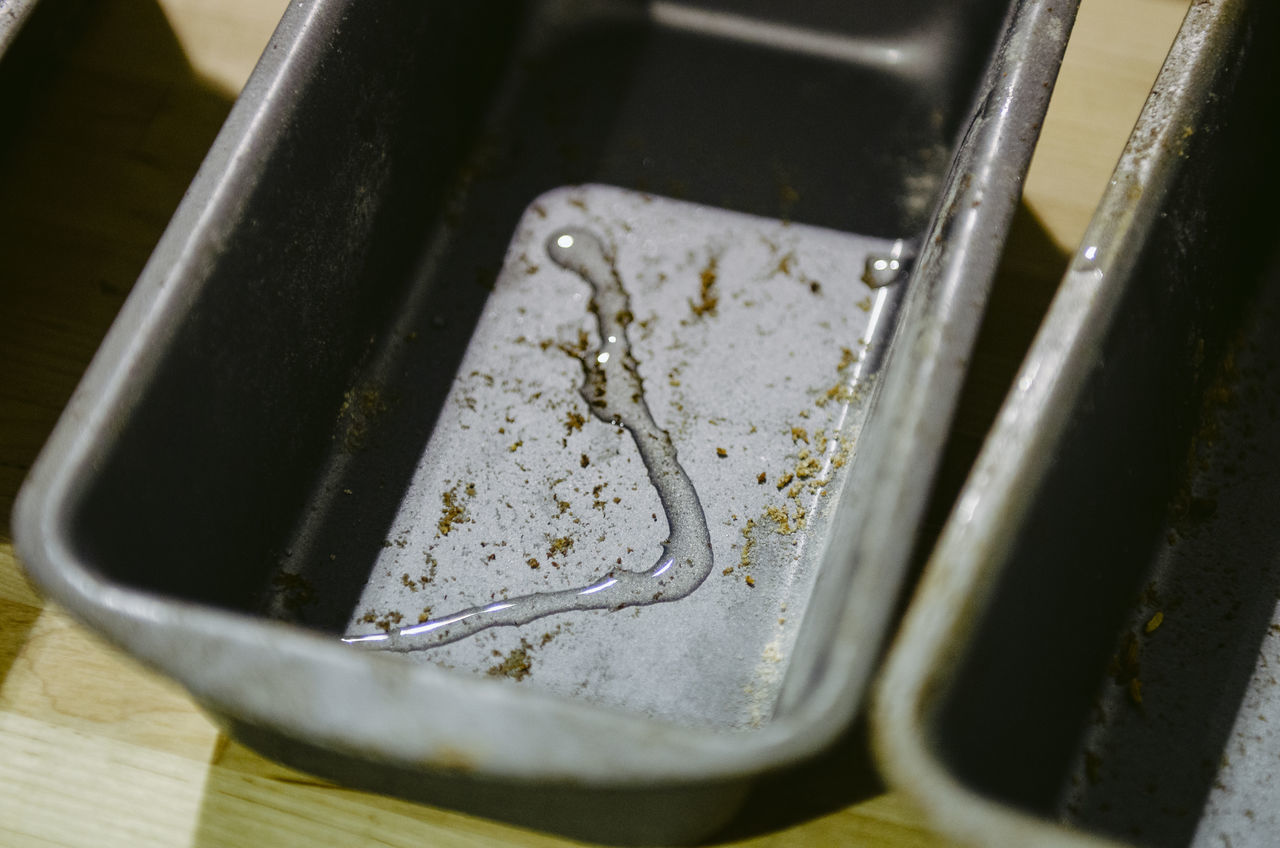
1076,701
321,327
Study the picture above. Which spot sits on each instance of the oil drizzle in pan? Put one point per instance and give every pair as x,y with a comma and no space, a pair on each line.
614,392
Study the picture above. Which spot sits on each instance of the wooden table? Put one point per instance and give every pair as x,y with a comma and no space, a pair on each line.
94,156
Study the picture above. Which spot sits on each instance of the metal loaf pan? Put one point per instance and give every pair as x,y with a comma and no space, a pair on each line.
1090,656
341,387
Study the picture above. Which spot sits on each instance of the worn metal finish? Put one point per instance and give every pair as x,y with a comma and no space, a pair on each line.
1086,660
249,448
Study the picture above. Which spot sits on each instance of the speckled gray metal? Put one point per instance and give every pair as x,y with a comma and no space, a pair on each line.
749,356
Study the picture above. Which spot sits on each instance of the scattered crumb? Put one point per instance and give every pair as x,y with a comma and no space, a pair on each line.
384,622
452,513
807,466
748,533
721,452
761,478
1154,622
750,581
360,408
516,665
784,264
783,520
707,296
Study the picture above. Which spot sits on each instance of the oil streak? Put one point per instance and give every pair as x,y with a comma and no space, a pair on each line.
614,392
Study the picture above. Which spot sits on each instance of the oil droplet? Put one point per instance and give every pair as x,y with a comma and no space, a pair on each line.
614,393
883,269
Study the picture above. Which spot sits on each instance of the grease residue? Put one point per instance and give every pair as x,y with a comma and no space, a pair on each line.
614,393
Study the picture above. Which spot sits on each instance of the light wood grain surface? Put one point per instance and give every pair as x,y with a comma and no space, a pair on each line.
94,156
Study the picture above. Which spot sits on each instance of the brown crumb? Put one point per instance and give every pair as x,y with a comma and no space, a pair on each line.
573,421
1154,622
516,665
807,466
452,512
751,581
784,480
560,546
708,298
748,533
784,264
799,434
761,478
584,461
533,562
385,623
780,517
360,409
721,452
839,392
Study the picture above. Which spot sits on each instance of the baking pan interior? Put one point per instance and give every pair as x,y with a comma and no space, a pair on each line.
1123,678
269,461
